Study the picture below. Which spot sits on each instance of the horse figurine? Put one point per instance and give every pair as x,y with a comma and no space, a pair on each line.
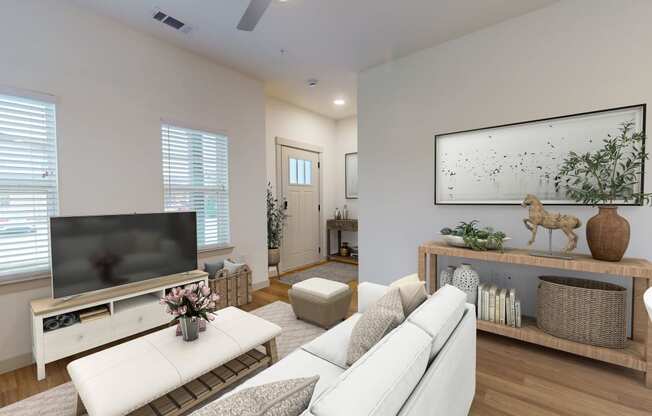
540,217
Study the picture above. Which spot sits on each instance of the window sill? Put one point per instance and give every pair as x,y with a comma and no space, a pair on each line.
19,283
215,250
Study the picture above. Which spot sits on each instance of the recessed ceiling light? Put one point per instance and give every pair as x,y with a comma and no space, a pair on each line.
339,101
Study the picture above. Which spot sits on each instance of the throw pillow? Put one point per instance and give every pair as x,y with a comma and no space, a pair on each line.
212,267
413,292
378,320
406,279
280,398
232,266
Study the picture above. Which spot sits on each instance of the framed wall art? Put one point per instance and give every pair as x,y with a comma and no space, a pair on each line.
351,175
500,165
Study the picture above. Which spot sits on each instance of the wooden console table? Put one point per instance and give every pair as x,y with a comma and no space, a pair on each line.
638,353
339,226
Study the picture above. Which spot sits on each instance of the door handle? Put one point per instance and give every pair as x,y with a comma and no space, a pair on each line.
285,204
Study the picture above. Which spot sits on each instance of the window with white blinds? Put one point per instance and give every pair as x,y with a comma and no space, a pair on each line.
196,178
28,185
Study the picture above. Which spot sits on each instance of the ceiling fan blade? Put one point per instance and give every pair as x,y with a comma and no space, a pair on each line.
253,14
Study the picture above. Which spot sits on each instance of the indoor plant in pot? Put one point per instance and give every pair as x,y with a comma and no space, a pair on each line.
606,177
275,220
189,305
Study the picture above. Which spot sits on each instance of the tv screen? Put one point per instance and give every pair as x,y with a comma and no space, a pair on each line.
98,252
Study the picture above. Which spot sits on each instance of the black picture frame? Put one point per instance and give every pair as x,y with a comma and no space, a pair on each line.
439,203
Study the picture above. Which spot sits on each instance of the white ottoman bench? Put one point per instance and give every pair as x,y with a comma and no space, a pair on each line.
320,301
160,374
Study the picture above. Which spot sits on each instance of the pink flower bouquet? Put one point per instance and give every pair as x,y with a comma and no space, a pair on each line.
192,301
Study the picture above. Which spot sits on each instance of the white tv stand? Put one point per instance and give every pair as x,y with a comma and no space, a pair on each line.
133,308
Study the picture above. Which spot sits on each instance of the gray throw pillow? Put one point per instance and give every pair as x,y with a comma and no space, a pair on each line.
281,398
378,320
212,267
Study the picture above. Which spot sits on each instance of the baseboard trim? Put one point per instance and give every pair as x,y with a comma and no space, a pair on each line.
14,363
260,285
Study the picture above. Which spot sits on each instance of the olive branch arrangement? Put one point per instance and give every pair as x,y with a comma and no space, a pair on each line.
609,174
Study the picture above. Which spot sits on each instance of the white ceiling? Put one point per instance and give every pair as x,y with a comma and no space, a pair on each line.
331,40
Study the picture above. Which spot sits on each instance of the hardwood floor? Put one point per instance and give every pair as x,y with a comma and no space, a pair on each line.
513,378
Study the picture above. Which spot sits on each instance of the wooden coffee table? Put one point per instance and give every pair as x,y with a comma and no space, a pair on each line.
160,374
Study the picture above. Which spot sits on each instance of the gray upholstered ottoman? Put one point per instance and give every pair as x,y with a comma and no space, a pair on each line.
320,301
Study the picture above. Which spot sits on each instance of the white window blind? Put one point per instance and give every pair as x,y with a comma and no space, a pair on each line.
28,185
196,178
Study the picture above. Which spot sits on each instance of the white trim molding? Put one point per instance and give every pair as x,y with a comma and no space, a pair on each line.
299,145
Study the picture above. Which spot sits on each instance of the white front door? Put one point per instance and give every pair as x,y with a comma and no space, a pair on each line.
300,190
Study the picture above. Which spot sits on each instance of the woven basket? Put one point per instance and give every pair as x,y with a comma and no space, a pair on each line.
582,310
235,289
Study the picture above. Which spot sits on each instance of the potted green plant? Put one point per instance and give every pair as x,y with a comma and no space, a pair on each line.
610,175
275,220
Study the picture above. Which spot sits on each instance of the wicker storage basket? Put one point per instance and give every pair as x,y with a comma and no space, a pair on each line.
582,310
235,289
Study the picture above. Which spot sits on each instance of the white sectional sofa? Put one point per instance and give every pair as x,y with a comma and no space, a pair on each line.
426,366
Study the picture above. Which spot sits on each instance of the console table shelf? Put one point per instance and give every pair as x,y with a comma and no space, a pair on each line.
636,355
631,356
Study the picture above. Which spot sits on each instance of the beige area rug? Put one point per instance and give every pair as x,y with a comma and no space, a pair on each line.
339,272
62,400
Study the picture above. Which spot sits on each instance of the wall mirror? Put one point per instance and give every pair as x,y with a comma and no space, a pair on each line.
351,175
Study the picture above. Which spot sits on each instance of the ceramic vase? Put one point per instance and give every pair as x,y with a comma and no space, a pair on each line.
467,280
607,234
189,328
446,276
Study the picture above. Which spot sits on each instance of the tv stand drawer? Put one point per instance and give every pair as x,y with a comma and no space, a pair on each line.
140,319
76,338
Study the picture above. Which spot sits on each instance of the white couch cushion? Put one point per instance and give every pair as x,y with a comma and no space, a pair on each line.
332,345
298,364
320,288
439,315
380,381
369,293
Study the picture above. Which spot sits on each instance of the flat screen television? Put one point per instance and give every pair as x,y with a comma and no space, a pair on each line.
98,252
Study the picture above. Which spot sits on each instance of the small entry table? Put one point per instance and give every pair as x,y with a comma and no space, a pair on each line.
339,226
636,355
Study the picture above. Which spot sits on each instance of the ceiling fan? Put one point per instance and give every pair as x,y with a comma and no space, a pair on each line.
253,14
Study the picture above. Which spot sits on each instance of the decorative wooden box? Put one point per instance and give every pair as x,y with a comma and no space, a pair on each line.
234,288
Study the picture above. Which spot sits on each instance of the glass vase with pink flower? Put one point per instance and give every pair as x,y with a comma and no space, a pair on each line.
191,306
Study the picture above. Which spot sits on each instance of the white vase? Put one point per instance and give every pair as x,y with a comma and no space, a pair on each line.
467,280
446,276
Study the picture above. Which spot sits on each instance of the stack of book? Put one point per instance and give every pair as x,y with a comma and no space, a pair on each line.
90,314
499,305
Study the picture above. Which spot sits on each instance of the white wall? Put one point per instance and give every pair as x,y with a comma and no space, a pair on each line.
335,138
346,133
346,141
571,57
293,123
113,85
